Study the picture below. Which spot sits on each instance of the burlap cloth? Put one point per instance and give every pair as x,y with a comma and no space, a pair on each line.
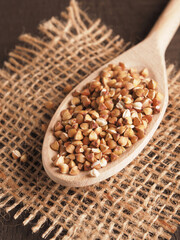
141,202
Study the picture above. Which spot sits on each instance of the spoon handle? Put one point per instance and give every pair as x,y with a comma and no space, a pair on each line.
166,26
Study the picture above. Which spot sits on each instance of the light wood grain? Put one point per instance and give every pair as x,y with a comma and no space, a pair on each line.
149,53
166,26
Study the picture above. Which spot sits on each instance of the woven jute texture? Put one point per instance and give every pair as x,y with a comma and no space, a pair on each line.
140,202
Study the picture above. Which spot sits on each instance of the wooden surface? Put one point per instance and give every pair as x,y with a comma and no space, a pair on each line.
131,19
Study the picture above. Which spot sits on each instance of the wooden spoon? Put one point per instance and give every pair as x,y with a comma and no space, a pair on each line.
149,53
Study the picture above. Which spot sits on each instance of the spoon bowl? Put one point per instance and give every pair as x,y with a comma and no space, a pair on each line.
149,53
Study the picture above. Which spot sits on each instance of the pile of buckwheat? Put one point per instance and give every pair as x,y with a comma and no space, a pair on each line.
109,115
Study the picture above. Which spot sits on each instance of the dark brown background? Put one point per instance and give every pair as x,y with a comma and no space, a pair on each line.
132,19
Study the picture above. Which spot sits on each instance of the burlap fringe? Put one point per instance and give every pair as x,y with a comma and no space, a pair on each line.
135,204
